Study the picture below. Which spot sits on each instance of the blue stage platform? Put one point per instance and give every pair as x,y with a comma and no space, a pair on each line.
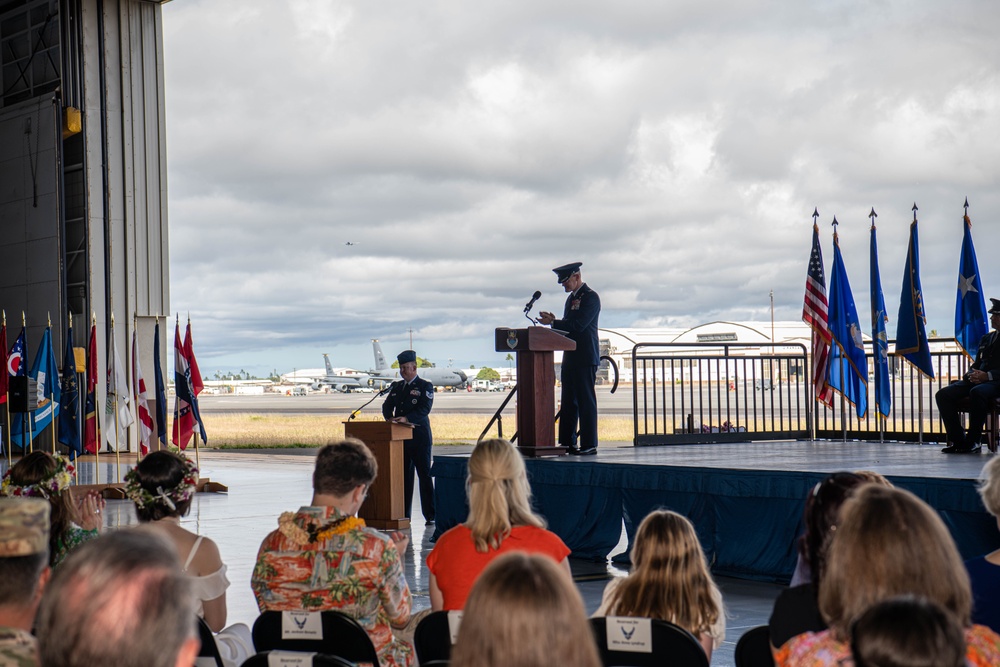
745,499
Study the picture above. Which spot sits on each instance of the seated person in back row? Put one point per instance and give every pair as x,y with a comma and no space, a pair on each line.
323,557
981,384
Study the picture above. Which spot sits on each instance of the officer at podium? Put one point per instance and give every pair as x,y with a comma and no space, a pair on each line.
409,402
579,366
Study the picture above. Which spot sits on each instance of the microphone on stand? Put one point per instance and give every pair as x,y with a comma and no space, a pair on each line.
534,297
368,402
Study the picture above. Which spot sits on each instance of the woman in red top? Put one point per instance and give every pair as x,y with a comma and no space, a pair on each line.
500,521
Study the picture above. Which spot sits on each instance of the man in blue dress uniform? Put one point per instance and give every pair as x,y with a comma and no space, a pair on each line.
981,384
409,402
579,367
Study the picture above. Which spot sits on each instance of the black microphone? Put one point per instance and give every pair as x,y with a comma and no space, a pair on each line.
384,390
534,297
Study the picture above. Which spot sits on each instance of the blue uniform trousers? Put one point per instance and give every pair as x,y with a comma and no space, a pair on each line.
578,402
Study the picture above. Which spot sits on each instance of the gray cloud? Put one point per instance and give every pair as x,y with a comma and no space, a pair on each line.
678,150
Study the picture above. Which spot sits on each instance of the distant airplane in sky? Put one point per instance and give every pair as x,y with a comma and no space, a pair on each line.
439,377
350,243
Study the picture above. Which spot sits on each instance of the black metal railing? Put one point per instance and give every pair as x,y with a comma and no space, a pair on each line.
728,392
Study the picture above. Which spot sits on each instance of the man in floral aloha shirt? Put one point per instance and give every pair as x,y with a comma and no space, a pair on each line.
323,557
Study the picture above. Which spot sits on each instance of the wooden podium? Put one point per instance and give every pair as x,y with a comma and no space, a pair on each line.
536,381
383,509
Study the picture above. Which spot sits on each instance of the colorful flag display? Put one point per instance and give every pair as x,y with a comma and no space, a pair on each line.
69,409
45,372
848,363
911,334
91,431
880,340
141,402
15,360
971,320
197,384
183,427
160,388
118,406
815,314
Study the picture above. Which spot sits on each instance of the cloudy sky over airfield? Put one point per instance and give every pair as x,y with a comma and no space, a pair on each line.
676,148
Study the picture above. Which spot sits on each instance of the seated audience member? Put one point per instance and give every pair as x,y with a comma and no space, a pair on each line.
119,600
24,569
161,486
500,520
323,556
888,543
47,476
524,611
796,610
984,571
669,581
907,632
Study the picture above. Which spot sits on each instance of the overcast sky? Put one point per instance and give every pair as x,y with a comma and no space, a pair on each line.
677,149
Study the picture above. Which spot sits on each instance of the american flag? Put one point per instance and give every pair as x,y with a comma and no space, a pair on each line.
815,314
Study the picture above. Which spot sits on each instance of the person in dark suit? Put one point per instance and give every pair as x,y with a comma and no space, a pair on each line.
981,385
409,402
579,366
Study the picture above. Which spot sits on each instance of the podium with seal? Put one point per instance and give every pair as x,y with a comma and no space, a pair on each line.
384,508
536,381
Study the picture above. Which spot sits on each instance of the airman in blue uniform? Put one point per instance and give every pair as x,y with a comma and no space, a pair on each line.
409,402
579,366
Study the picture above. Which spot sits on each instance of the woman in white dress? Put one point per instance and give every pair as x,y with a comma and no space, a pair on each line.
161,486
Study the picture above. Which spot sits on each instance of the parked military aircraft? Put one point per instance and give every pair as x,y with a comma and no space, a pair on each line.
439,377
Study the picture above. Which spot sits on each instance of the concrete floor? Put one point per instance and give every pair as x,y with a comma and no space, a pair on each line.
262,485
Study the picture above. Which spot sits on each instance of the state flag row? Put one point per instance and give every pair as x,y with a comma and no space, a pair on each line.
57,405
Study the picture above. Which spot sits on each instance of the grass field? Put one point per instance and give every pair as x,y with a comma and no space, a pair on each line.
239,430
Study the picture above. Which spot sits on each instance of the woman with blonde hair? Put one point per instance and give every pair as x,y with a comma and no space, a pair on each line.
73,521
524,611
669,581
500,520
888,543
984,571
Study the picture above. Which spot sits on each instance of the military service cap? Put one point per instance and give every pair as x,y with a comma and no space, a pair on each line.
563,273
406,357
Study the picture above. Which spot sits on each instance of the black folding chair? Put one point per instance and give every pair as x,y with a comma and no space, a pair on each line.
669,644
754,648
318,659
341,635
208,648
432,637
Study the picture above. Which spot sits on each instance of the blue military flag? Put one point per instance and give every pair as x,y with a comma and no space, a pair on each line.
848,364
160,389
970,306
46,373
69,409
880,341
911,333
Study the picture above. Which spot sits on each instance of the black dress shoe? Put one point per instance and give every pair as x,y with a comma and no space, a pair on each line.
589,451
572,451
955,449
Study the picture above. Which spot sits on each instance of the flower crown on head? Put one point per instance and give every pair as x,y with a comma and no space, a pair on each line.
51,485
144,498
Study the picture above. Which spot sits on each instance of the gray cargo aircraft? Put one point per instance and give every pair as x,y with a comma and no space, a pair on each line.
439,377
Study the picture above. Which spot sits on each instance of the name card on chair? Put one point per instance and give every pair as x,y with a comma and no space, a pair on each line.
629,634
454,621
289,659
301,625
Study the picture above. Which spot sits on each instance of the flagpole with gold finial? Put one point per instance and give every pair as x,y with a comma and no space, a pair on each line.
197,415
98,443
48,383
118,455
30,420
135,390
6,404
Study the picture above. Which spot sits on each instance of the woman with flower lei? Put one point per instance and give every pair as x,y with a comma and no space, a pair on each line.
48,476
323,557
162,486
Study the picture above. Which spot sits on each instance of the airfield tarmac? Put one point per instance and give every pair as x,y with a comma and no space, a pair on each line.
458,402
